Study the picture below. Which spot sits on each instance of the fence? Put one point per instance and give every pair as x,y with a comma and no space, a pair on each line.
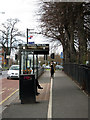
79,73
40,72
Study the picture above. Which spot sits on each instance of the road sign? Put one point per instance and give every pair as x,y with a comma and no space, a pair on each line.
61,55
31,42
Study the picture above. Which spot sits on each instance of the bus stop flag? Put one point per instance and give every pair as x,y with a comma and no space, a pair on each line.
30,37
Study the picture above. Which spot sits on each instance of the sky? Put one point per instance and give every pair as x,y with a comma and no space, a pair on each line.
25,11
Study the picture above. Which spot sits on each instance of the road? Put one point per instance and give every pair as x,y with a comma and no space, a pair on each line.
7,86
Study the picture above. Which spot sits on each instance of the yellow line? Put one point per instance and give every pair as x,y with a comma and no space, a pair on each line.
8,97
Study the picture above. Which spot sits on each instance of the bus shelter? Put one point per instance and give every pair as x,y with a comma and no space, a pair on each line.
28,72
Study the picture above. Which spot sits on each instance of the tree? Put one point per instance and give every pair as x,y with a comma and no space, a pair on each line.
67,22
10,35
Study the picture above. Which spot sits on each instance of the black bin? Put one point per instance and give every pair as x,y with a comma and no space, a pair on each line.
27,88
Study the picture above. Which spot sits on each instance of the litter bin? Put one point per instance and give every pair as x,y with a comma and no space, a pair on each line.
27,88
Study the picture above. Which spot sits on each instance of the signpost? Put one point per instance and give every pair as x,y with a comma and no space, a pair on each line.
61,56
30,33
0,61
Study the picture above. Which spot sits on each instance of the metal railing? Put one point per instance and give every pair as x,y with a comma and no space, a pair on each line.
40,72
79,73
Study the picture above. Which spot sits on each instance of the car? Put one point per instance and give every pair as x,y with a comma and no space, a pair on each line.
47,67
44,65
59,67
13,72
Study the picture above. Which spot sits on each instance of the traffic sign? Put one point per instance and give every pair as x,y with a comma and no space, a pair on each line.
31,42
61,55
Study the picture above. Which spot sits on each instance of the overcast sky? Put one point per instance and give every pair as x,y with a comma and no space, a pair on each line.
25,11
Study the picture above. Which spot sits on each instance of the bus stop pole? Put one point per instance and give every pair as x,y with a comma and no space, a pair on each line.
27,35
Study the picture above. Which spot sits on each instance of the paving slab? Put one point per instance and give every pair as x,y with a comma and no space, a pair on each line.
68,100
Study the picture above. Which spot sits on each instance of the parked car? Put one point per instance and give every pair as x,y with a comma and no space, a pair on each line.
59,67
13,72
44,65
47,67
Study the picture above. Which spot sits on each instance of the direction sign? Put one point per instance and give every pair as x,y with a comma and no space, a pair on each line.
61,55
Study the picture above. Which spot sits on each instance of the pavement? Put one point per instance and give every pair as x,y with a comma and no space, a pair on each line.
60,99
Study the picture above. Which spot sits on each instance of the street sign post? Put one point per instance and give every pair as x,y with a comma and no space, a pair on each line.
61,55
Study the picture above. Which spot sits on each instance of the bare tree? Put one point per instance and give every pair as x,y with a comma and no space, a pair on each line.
65,22
10,35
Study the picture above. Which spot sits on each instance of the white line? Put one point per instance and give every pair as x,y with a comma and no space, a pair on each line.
46,91
50,102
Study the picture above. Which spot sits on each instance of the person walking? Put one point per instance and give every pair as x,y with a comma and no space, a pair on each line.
52,70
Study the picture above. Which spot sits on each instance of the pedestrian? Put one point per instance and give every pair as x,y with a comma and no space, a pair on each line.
52,70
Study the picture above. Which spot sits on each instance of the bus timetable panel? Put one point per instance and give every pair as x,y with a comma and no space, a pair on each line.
36,48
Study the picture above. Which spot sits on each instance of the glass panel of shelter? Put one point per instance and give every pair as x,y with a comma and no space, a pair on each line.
29,64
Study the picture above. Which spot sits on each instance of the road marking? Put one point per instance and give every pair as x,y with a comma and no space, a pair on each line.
8,96
46,91
50,102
